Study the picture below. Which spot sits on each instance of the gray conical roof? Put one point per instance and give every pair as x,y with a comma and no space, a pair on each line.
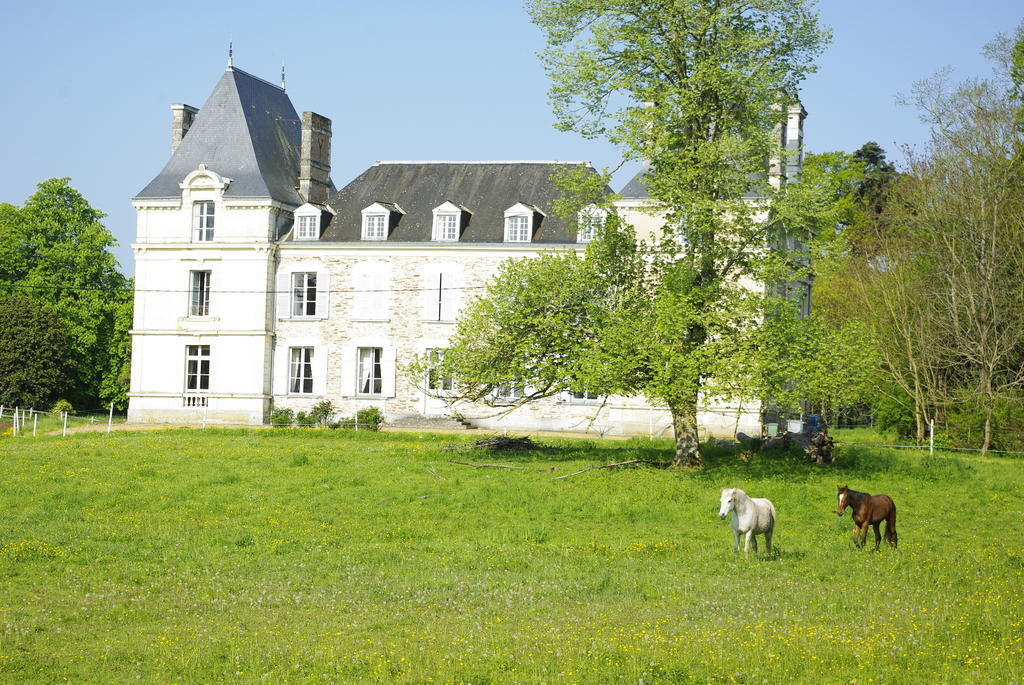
247,131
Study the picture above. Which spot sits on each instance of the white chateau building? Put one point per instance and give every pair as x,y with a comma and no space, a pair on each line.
259,286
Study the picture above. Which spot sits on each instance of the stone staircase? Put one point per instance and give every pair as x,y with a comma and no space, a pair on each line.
429,423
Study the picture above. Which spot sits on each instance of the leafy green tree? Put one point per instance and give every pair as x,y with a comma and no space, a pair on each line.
699,91
34,353
55,250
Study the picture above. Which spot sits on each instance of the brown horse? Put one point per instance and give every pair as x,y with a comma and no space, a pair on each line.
868,510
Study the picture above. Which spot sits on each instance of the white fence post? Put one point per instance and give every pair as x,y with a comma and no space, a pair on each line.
931,438
15,427
65,433
110,419
35,423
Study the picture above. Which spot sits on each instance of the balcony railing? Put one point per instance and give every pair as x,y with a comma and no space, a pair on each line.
191,400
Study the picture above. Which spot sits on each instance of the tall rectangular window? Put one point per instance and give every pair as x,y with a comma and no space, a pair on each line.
300,377
308,228
371,378
197,368
202,221
437,382
200,300
304,294
517,229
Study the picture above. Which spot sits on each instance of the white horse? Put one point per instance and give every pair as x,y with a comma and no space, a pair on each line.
751,516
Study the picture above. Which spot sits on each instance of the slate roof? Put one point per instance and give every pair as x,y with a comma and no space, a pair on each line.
636,189
248,131
485,189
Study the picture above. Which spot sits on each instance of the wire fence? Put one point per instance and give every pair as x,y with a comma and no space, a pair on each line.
925,448
22,422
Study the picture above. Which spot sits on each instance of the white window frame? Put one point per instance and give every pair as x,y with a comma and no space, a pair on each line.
437,385
520,222
307,227
203,219
375,226
588,222
584,397
446,226
199,293
518,228
300,370
196,357
299,301
369,380
510,392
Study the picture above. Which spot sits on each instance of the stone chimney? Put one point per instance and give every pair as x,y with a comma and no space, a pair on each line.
182,117
315,158
794,141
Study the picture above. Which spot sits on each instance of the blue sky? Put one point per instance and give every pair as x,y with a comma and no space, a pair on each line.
88,85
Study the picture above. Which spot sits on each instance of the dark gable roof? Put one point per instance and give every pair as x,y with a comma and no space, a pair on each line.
485,189
247,131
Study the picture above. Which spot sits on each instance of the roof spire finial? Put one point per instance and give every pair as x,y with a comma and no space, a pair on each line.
282,74
231,53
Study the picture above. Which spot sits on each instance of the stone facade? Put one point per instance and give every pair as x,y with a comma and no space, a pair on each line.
404,324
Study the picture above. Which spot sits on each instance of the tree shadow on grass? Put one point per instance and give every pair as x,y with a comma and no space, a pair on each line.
595,452
728,461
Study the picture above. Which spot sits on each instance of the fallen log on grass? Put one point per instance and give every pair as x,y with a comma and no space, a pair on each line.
610,466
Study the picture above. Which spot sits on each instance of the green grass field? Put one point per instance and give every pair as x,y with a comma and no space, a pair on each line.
327,556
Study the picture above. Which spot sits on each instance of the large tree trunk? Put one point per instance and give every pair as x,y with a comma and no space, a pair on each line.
684,425
990,406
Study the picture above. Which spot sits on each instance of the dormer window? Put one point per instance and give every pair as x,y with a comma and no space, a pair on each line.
375,227
517,229
378,219
202,221
519,222
448,220
307,221
307,228
589,221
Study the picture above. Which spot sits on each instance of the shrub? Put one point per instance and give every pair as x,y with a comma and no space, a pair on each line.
282,417
369,419
321,413
302,419
61,406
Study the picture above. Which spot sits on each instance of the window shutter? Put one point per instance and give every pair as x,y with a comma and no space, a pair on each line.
429,293
388,369
362,283
284,293
348,371
323,294
451,294
281,369
380,281
320,370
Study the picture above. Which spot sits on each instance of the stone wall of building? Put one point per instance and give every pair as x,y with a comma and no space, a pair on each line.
403,323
